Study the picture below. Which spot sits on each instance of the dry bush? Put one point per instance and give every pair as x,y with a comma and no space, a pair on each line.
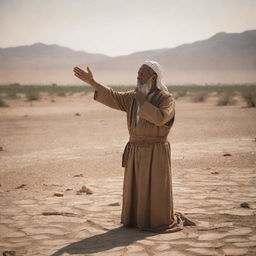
199,96
3,103
226,98
33,96
250,97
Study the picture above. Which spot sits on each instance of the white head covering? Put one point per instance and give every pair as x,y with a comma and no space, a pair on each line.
157,68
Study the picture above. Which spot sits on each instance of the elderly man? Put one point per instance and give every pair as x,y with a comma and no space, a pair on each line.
147,187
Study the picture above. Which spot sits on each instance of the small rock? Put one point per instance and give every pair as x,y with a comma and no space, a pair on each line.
214,172
53,100
67,214
25,115
245,205
84,189
79,175
58,194
68,189
9,253
227,154
114,204
21,186
1,149
77,114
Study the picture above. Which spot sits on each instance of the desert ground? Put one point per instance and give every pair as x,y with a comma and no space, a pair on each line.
51,149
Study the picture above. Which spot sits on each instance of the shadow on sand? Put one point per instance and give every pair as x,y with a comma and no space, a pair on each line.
117,237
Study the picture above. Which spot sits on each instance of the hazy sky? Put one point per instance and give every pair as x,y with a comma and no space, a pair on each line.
118,27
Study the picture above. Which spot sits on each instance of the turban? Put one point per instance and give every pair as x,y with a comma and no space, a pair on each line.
157,68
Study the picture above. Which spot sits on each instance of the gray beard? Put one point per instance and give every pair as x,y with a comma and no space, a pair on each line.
145,87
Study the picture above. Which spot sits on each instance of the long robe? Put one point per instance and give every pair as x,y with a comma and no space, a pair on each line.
147,186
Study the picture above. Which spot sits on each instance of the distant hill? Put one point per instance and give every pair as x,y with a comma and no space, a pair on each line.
41,56
223,58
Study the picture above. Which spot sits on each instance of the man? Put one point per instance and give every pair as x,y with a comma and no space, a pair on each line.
147,188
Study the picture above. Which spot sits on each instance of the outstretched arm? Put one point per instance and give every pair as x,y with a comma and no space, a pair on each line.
103,93
87,77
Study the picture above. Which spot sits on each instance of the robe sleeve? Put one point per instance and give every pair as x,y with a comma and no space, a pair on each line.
158,115
112,98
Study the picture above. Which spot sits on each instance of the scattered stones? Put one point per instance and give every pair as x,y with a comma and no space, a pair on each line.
245,205
58,194
1,148
21,186
214,172
78,175
114,204
44,225
9,253
77,114
227,154
84,189
69,189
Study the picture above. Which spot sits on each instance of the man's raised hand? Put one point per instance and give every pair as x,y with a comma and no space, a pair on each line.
84,76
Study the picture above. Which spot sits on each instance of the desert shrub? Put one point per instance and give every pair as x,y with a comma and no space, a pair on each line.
61,94
179,93
12,94
32,96
250,97
199,96
226,98
3,103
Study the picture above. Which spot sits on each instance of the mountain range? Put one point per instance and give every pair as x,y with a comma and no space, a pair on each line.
222,58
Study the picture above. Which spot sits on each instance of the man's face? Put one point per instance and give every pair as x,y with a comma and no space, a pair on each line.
144,79
144,74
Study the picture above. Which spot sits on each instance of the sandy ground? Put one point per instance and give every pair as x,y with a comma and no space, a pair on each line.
45,144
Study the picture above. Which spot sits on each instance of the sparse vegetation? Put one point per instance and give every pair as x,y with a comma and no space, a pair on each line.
199,96
3,103
198,93
250,97
226,98
61,94
33,96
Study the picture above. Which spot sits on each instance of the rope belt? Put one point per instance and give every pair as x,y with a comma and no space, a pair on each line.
147,139
141,140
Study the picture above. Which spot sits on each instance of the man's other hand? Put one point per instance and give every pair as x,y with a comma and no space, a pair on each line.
84,76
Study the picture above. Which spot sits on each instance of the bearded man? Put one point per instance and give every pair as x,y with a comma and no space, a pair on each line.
147,186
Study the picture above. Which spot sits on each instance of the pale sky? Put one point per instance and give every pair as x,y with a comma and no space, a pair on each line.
119,27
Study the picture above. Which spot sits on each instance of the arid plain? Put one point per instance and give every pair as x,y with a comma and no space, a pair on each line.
59,146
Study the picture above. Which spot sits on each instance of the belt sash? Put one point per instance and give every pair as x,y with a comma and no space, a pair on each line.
141,141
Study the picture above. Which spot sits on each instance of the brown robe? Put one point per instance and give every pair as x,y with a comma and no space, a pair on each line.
147,187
